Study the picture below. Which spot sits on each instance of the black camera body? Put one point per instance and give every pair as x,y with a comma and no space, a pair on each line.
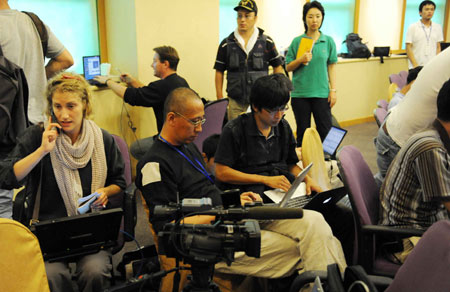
206,243
210,243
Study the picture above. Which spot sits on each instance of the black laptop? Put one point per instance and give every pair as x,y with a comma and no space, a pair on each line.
332,141
69,237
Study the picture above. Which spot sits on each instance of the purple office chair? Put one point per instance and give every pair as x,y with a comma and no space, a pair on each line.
398,79
380,114
382,103
404,75
364,198
427,268
126,200
214,114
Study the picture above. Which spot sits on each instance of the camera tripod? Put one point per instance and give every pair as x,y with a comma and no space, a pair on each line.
201,278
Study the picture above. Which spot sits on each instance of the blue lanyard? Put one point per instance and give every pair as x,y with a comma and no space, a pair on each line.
427,36
202,170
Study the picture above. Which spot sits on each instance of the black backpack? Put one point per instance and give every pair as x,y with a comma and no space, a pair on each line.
42,30
13,104
14,94
356,49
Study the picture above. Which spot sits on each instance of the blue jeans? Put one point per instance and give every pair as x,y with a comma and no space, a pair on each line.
6,203
386,151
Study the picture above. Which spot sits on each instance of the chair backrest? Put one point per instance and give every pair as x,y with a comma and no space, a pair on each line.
360,184
125,200
312,151
382,103
21,262
427,267
404,75
380,114
123,147
398,79
214,114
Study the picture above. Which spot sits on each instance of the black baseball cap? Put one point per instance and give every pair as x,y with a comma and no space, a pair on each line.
249,5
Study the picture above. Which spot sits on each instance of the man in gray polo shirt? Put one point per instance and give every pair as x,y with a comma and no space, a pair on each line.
21,44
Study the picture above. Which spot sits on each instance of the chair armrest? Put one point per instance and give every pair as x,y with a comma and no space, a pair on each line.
380,282
129,213
389,230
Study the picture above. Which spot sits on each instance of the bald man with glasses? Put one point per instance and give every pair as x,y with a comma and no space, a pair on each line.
256,151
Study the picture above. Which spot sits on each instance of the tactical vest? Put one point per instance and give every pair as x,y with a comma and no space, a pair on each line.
243,70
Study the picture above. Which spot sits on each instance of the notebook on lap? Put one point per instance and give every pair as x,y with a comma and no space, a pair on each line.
332,141
69,237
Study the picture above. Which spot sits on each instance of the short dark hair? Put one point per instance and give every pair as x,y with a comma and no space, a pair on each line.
412,74
169,54
443,102
426,2
309,5
176,100
210,144
270,91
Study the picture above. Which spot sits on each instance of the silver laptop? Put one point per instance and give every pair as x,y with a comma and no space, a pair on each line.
298,180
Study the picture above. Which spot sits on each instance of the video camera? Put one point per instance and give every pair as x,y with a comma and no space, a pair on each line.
207,243
204,245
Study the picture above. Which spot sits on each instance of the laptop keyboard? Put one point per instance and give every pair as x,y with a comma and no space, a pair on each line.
299,202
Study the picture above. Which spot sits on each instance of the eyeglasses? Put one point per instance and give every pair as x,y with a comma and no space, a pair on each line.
196,122
273,111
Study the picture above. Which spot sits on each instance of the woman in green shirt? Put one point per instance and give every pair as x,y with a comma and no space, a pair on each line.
314,76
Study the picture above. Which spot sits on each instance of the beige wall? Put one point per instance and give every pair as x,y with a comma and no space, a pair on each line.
281,22
191,27
378,25
121,36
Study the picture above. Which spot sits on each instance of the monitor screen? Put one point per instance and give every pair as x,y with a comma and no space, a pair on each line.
444,46
91,67
333,140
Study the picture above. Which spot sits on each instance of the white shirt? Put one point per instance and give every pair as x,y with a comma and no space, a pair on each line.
424,41
418,109
251,42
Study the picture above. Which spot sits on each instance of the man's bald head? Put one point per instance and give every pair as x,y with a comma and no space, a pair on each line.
178,99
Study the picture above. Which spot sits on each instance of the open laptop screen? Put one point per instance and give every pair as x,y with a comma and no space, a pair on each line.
64,238
91,67
333,140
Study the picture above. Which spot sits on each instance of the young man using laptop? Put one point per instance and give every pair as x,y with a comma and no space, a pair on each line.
257,150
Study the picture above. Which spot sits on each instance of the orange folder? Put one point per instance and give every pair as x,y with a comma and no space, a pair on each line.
306,45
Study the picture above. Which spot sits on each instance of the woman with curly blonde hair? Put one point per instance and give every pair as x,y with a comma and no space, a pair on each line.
73,158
